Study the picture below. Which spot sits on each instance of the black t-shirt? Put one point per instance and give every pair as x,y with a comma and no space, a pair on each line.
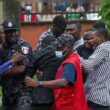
85,53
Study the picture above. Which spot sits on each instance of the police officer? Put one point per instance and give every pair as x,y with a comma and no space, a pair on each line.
15,93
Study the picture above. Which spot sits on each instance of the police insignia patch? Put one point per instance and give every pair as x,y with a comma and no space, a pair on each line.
25,50
10,24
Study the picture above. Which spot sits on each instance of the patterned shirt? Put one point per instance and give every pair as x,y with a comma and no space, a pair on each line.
98,82
45,34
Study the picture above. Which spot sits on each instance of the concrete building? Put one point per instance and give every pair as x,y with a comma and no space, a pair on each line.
43,11
41,14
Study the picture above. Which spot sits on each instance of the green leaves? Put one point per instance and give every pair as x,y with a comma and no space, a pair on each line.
104,7
104,2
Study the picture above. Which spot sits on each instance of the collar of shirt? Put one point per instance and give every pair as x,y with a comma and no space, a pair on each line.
103,44
78,43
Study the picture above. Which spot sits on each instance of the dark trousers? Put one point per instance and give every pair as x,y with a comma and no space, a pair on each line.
16,108
41,107
94,106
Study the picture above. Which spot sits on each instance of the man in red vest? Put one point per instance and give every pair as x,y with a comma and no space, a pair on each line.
68,85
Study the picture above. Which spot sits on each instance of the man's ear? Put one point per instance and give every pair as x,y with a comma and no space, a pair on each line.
68,48
102,38
54,25
43,45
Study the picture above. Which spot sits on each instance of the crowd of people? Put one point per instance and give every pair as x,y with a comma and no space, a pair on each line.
70,70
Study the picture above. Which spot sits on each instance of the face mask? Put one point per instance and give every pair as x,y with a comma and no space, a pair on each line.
59,54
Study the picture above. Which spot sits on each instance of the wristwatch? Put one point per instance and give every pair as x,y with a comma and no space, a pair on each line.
40,83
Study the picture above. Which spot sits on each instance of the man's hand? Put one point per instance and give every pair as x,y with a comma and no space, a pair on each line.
17,57
31,83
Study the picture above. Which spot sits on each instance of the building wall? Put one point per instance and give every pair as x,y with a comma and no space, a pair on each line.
31,32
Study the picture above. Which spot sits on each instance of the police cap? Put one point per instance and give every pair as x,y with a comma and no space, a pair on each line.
9,25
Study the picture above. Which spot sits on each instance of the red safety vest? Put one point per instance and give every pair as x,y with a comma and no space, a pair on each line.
71,97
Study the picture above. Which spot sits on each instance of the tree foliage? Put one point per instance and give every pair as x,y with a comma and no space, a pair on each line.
104,12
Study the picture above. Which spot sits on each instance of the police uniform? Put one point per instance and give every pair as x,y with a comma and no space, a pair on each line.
15,93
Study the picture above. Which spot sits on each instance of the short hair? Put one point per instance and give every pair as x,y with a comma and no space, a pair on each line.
78,24
99,24
59,21
89,31
65,40
48,39
102,32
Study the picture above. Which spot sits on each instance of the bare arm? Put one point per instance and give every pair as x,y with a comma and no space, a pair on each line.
15,70
54,83
94,60
47,84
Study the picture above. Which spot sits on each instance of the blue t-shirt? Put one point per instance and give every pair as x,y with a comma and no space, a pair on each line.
69,73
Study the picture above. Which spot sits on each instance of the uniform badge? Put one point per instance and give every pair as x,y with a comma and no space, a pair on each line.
10,24
25,50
